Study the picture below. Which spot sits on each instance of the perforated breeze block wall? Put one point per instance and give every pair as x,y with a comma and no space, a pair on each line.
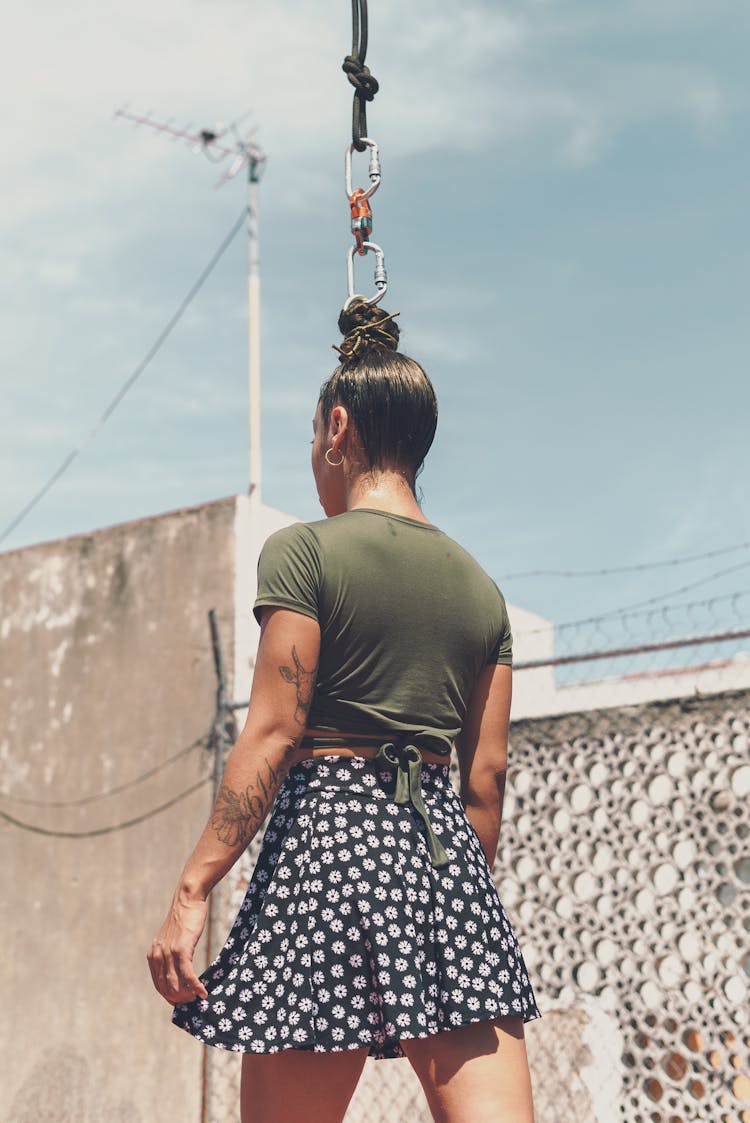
624,867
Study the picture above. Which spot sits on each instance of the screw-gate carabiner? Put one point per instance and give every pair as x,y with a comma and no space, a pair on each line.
373,170
381,278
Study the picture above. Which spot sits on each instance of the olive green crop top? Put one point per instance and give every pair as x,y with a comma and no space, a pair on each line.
408,619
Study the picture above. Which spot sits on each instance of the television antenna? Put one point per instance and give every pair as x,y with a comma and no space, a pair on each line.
218,145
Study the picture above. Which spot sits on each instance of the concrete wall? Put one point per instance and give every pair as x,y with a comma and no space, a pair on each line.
106,671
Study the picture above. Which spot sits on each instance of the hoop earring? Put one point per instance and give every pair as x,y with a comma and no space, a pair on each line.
333,463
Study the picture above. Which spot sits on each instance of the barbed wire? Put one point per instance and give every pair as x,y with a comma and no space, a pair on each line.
651,614
627,608
677,638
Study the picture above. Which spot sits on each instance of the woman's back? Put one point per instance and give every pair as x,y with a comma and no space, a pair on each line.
408,619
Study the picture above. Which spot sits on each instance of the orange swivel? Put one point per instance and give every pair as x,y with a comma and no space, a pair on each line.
361,218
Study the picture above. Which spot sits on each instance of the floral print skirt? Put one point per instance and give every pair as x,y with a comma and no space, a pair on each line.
348,936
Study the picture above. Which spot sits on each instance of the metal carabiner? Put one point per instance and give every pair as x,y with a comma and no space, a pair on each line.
373,170
381,278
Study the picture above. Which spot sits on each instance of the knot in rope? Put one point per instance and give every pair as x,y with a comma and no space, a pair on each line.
360,77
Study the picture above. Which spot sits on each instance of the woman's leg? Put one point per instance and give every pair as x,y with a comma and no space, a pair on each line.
299,1084
477,1073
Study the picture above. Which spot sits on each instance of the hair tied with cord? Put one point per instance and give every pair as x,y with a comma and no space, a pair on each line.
366,328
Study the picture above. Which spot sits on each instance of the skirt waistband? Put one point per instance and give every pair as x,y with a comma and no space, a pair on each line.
403,755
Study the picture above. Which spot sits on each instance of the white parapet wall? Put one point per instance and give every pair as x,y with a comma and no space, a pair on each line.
253,523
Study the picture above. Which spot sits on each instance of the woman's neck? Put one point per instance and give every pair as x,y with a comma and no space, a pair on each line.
386,491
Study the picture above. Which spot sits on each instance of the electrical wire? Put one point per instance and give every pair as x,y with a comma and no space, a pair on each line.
110,791
132,378
98,831
639,567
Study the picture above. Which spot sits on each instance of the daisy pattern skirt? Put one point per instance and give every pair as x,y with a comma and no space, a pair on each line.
348,936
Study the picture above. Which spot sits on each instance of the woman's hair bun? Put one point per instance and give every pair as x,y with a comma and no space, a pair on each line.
365,327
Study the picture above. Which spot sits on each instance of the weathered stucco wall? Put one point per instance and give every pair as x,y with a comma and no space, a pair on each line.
105,671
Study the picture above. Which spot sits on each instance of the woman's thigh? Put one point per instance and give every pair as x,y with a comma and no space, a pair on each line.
299,1084
477,1073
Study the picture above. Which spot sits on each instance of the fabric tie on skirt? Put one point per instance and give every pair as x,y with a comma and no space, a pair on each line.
407,759
408,762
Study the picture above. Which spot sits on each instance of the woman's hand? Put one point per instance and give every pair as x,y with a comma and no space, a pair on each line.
170,957
283,684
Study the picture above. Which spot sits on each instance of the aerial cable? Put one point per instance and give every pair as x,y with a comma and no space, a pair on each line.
132,378
79,802
634,568
97,832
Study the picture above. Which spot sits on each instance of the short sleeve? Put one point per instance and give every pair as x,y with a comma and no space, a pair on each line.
289,571
502,650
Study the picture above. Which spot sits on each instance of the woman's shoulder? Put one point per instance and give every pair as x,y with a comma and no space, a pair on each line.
291,542
472,564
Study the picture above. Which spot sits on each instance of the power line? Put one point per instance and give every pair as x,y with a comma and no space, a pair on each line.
110,791
98,831
132,378
640,566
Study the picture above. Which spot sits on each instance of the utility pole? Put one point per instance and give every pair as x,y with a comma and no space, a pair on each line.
253,327
248,155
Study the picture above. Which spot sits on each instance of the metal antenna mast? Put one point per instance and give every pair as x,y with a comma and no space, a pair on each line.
247,154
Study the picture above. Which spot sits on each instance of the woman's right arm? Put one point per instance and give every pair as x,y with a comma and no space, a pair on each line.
482,749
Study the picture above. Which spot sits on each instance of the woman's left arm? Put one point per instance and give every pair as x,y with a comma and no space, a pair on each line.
283,685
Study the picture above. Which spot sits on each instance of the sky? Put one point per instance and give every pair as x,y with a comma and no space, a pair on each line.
563,214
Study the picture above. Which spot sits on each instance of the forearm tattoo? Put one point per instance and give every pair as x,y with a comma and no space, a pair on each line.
304,681
237,816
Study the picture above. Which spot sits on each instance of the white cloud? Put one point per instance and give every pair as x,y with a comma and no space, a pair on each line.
706,103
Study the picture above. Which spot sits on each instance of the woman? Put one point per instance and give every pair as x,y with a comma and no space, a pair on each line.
371,925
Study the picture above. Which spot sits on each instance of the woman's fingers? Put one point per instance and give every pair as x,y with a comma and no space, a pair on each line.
170,957
188,977
155,957
173,974
171,977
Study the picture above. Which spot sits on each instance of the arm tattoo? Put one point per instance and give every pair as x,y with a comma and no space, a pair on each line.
305,684
237,816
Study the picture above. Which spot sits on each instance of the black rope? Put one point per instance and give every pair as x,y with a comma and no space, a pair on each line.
365,86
